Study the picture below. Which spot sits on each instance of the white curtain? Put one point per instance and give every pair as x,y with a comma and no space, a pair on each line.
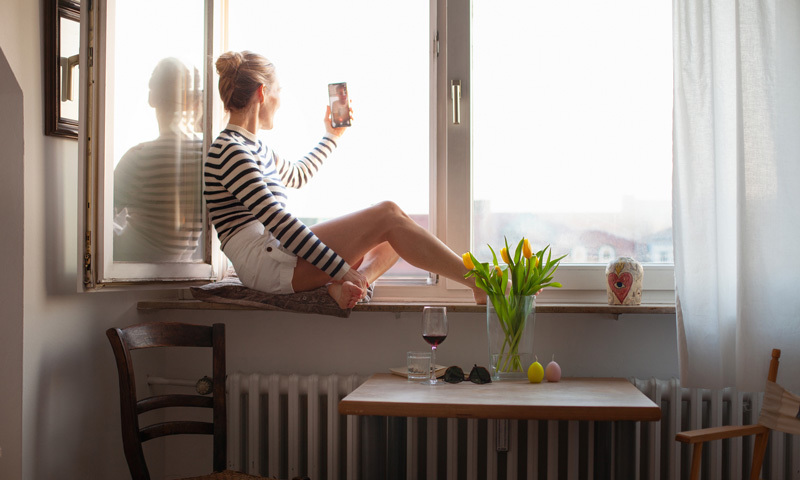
736,190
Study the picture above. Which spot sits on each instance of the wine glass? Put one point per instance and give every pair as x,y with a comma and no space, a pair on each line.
434,331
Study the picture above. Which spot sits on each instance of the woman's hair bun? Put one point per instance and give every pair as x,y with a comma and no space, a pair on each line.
240,75
228,63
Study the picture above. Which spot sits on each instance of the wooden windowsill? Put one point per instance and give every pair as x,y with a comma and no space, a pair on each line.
416,306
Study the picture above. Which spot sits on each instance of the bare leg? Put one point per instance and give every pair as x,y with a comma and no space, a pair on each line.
378,261
375,263
355,235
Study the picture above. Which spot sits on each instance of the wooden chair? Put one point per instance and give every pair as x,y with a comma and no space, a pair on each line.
154,335
769,419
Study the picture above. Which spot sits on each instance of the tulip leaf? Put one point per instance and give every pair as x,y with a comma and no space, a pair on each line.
527,274
518,251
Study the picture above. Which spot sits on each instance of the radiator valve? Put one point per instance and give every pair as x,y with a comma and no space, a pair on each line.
204,386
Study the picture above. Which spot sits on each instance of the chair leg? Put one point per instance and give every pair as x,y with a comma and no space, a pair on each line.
759,449
697,457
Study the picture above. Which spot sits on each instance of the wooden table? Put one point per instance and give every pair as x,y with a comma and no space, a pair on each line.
599,399
595,399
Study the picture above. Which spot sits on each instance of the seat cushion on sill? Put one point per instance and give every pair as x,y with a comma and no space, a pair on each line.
231,291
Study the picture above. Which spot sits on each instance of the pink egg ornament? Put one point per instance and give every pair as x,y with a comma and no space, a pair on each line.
553,371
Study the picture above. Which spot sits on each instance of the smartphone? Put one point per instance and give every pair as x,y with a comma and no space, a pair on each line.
340,104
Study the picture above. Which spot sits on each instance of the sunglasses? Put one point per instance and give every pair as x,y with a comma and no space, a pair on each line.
477,375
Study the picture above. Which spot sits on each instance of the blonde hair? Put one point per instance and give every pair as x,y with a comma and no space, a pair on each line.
240,75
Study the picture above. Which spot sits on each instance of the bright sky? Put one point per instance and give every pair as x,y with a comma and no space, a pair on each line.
572,104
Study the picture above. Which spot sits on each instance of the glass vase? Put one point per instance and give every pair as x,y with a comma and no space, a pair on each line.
510,323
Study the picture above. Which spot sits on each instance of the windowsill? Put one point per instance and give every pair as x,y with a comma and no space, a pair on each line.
416,306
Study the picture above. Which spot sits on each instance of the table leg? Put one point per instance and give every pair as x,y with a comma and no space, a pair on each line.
383,448
625,464
373,447
602,450
502,435
396,448
622,435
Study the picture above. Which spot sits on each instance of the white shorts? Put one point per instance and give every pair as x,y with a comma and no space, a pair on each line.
259,261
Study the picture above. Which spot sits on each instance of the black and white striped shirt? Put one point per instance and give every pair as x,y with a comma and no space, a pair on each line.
158,184
246,181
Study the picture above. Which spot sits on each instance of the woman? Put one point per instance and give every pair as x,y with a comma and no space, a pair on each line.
273,251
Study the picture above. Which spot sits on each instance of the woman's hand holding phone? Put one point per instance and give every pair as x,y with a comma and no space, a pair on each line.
338,131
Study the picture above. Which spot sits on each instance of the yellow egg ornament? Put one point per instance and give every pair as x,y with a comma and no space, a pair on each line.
536,372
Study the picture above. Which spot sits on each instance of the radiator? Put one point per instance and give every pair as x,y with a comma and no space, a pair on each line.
288,425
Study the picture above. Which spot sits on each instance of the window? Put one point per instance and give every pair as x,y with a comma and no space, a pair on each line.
150,73
564,135
386,63
569,128
572,127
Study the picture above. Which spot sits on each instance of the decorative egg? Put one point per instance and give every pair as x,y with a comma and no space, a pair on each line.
535,372
553,371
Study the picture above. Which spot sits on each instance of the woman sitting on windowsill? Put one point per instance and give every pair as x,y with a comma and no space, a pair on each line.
272,250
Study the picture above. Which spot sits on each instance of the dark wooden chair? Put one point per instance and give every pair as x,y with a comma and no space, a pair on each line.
772,417
154,335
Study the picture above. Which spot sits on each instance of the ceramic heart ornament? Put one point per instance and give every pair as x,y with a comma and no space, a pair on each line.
624,281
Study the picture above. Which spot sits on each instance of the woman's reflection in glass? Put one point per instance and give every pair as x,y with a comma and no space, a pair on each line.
157,185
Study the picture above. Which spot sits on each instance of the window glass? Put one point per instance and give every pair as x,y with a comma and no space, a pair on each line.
156,86
572,127
381,50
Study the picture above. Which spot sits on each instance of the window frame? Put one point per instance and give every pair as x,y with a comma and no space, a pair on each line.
451,173
99,270
449,179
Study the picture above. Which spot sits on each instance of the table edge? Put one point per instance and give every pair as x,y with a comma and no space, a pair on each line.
511,412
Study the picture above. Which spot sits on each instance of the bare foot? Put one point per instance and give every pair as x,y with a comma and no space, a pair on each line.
346,294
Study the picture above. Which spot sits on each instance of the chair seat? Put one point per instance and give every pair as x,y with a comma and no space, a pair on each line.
228,475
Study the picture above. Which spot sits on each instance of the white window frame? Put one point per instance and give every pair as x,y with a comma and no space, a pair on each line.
450,171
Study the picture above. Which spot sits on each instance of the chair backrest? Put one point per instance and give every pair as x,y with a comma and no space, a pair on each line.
154,335
781,408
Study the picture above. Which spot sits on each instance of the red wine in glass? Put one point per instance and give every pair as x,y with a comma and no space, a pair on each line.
434,340
434,331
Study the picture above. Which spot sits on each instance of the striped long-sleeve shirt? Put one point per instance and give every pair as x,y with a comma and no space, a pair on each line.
157,182
246,181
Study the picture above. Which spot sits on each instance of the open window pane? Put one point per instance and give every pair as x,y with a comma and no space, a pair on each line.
152,212
158,132
382,51
572,127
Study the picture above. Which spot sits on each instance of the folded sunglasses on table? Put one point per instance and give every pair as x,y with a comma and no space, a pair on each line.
477,375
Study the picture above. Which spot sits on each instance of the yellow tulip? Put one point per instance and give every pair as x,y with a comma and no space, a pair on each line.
467,259
498,271
535,261
504,254
526,248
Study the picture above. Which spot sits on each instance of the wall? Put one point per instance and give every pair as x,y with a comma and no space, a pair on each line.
11,285
584,345
58,401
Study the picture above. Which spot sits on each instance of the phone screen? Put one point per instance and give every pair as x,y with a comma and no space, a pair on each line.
340,104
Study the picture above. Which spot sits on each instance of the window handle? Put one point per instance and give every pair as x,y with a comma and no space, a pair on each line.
455,95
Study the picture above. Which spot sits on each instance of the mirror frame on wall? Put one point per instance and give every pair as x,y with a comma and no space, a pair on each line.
54,123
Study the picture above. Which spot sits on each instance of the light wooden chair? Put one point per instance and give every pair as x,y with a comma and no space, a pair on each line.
780,411
160,334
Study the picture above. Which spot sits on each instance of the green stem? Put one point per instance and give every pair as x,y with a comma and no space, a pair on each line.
512,313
